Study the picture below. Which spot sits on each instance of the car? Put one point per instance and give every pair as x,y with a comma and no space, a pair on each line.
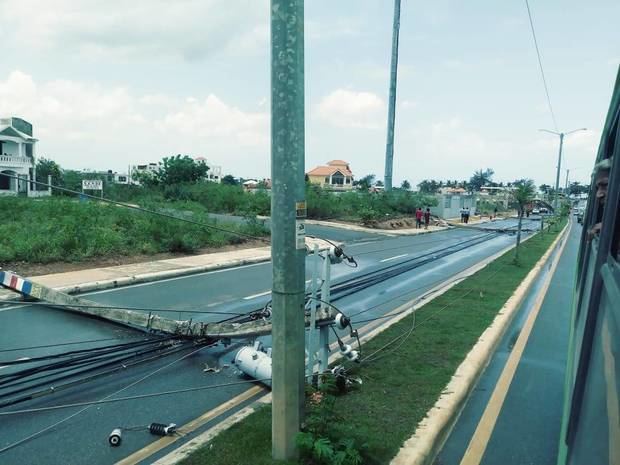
544,210
535,211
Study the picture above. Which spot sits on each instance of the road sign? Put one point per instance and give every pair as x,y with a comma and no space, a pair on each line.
92,184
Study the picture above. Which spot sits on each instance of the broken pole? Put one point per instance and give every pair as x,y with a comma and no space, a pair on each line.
288,210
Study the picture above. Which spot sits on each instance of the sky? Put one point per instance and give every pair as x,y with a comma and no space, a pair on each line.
108,83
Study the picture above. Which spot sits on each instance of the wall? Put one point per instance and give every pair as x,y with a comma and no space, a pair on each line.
449,205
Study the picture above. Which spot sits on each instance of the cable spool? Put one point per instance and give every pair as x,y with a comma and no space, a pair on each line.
115,437
160,429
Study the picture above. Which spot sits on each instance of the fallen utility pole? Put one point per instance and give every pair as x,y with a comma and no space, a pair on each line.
148,322
288,210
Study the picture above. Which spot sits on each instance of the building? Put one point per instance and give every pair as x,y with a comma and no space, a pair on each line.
17,158
336,175
496,195
215,171
451,200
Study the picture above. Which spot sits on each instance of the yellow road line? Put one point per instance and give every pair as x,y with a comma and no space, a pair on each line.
196,423
480,439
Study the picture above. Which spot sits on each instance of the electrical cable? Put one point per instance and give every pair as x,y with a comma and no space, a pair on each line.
542,71
60,344
146,210
88,405
106,400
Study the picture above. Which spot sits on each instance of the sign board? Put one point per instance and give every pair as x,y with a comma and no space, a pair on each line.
92,184
300,234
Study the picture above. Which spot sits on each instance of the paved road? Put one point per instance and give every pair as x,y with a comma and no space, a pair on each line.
83,438
527,429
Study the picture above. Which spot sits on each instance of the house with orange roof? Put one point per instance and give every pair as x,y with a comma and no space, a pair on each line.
336,175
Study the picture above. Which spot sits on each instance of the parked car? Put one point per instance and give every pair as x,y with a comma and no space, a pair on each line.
535,211
544,210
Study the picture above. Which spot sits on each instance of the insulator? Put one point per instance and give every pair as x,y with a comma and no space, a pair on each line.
160,429
115,437
342,321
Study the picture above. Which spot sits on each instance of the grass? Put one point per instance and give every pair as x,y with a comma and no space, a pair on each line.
402,386
59,229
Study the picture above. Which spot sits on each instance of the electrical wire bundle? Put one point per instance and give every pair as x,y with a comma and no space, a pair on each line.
32,377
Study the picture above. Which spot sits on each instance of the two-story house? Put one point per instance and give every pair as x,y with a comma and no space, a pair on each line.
17,158
336,175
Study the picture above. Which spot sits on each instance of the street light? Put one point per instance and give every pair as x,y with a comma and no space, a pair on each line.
557,176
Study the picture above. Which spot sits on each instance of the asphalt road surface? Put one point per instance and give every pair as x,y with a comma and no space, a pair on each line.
79,435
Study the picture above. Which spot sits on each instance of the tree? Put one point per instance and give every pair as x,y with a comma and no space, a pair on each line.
523,194
379,183
180,169
365,182
47,167
544,188
405,185
576,188
480,178
428,186
229,180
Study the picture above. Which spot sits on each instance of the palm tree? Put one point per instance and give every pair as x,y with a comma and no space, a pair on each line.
523,193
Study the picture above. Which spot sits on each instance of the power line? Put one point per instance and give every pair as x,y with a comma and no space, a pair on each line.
542,71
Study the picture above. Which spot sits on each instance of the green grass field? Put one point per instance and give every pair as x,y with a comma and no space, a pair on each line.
401,387
64,230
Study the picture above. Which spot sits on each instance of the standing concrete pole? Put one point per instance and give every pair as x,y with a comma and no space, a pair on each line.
288,208
557,176
389,146
566,184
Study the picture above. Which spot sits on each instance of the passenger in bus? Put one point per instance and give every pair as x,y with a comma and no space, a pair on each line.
601,181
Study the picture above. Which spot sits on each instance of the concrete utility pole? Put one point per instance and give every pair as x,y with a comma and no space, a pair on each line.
389,146
557,175
288,210
566,183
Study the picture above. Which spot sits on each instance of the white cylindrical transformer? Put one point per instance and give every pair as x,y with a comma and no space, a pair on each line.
254,363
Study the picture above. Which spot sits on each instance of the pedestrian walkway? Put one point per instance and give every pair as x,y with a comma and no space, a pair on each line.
517,420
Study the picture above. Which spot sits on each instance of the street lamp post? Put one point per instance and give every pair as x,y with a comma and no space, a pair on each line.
557,175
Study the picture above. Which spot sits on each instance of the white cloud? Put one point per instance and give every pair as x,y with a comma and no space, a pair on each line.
349,109
190,29
85,125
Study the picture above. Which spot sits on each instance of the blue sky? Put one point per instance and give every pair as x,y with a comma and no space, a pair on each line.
108,84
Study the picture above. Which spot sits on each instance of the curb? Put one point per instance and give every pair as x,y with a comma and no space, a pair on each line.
432,431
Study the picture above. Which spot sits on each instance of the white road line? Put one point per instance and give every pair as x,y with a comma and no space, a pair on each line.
393,258
14,307
260,294
250,297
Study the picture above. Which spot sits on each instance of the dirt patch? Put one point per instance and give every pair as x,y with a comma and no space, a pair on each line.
38,269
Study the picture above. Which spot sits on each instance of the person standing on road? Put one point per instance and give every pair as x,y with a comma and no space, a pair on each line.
427,218
463,215
466,216
418,218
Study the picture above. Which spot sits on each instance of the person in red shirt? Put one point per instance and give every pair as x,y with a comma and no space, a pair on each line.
427,218
418,218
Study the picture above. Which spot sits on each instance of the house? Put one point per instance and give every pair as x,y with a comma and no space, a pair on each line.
215,171
336,175
17,158
496,195
451,200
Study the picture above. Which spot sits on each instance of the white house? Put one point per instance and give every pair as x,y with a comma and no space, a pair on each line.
17,158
